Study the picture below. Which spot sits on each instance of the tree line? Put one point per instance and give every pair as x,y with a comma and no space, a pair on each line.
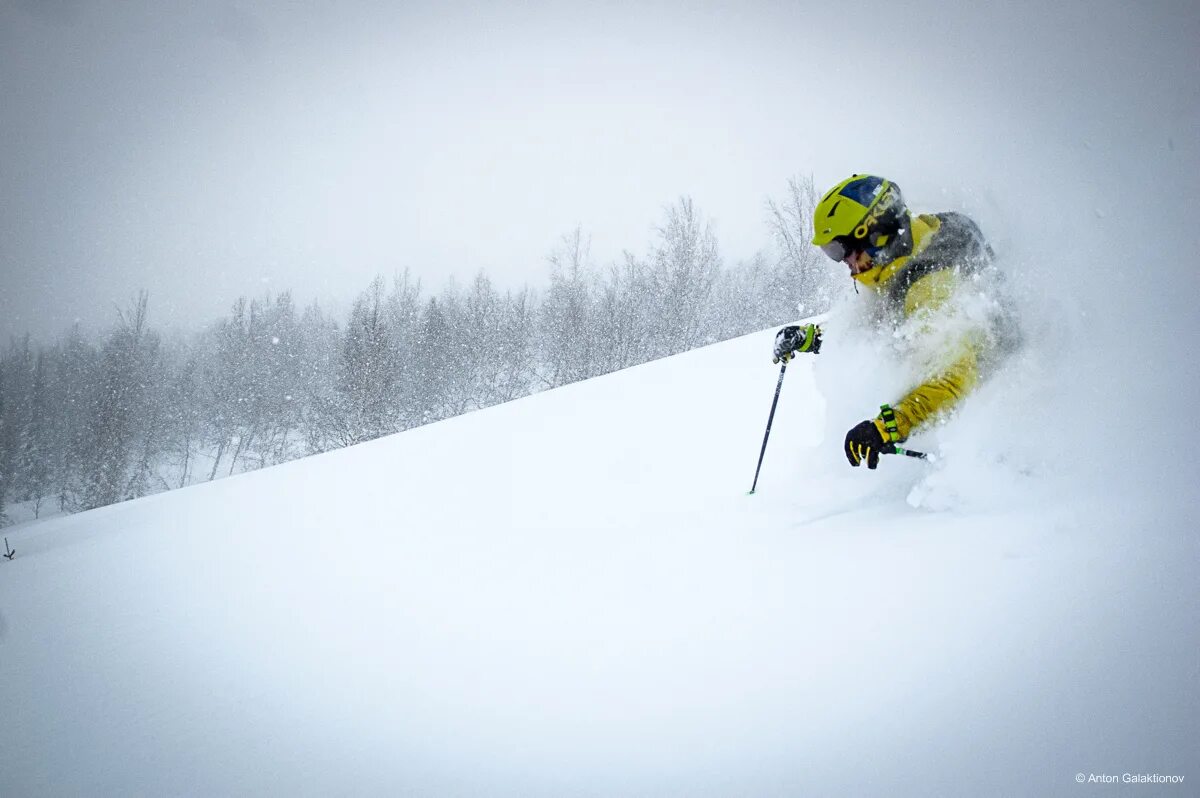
86,423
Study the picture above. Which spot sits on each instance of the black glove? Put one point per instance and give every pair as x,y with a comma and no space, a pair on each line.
873,437
793,339
865,442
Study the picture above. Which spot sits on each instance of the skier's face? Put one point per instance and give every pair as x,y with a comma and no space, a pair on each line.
849,252
858,262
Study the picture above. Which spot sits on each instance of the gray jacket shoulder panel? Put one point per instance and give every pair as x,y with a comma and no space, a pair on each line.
957,243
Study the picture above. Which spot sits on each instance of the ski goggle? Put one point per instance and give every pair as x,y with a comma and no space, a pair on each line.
843,247
836,250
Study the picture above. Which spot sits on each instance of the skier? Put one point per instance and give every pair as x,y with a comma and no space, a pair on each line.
917,266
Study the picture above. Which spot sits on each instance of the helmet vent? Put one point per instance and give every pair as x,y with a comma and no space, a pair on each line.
833,210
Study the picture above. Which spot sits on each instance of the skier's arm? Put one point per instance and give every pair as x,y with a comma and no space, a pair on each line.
943,390
936,395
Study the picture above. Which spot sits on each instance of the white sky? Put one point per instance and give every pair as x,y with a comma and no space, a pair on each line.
208,150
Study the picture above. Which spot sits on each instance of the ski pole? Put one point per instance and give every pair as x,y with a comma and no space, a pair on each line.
770,418
911,453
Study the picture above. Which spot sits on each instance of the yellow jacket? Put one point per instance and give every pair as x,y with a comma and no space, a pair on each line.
945,248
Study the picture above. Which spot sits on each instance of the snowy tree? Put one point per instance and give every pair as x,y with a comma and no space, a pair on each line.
322,421
118,407
404,319
75,379
182,393
230,407
19,412
800,284
38,442
433,347
462,348
369,370
683,268
566,340
250,373
277,349
625,308
151,428
509,368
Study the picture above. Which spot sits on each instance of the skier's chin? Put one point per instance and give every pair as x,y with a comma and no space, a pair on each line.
859,262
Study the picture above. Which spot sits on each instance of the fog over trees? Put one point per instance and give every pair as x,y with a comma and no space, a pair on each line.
85,423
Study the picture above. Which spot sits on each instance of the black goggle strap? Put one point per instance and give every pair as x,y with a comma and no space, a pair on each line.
888,416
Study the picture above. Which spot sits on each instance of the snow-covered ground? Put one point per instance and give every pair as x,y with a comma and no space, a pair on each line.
573,594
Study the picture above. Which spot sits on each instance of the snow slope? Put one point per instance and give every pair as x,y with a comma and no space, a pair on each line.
573,594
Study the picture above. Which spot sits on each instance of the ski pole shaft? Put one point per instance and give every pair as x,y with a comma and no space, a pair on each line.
911,453
770,418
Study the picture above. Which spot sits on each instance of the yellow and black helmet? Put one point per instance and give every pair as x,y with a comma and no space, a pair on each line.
861,213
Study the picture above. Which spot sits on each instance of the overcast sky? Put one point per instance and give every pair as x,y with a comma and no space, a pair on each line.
211,149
